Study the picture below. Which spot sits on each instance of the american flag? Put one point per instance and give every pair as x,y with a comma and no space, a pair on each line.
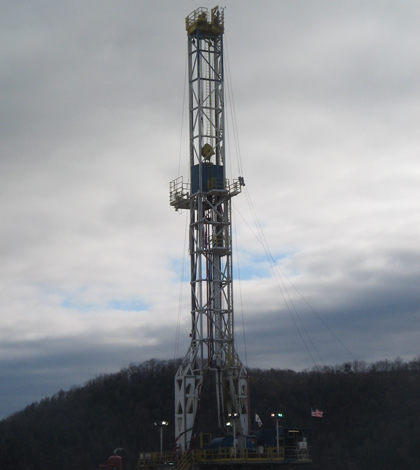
316,413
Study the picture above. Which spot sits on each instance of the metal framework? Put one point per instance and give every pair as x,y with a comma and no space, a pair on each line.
208,198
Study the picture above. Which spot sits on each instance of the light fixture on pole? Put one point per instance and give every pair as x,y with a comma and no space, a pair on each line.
161,425
233,417
277,417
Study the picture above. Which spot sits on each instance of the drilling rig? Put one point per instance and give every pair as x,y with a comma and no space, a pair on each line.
211,354
211,359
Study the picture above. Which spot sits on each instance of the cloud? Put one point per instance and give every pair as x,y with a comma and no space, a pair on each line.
326,100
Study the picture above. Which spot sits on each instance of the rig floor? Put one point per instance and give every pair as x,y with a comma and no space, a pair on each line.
227,459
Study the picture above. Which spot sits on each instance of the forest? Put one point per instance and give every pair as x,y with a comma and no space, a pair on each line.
371,416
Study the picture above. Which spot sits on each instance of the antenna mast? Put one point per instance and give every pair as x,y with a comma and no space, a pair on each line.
208,198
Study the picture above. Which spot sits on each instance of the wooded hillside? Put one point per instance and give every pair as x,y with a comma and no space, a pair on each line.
371,416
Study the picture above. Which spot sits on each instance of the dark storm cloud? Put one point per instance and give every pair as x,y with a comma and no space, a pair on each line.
355,313
32,370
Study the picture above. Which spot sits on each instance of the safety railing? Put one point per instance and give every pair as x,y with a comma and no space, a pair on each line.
185,462
200,13
205,456
297,454
155,459
220,184
179,193
229,454
235,187
200,18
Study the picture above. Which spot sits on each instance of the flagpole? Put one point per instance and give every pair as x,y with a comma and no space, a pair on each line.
311,421
312,437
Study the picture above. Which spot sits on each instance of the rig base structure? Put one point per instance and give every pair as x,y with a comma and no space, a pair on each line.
227,459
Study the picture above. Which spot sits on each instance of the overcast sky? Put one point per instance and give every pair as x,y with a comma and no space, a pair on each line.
327,106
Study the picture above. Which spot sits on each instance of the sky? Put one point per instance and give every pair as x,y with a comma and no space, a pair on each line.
324,97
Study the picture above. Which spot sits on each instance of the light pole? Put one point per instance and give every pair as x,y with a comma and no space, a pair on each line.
234,433
233,417
161,425
277,417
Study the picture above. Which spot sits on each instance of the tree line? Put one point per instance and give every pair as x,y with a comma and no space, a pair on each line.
371,416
